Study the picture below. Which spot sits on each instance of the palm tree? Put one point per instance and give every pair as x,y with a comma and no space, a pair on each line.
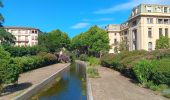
1,17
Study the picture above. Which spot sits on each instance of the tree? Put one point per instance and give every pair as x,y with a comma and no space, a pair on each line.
1,17
93,42
123,46
54,40
163,43
6,37
98,40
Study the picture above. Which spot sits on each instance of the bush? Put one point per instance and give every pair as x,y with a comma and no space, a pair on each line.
24,51
83,57
142,71
157,71
92,72
63,58
107,60
93,61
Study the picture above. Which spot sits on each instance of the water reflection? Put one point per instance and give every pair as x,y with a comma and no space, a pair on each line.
72,86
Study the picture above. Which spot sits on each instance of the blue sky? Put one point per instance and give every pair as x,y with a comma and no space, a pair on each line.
70,16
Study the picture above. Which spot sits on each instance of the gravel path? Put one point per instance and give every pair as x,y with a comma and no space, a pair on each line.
28,79
113,86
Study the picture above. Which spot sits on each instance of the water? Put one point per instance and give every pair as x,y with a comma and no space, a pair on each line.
71,86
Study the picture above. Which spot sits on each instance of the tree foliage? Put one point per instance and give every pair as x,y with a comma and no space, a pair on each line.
123,46
163,43
6,37
92,42
54,40
1,17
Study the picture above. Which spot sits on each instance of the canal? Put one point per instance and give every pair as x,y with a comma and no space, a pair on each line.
70,85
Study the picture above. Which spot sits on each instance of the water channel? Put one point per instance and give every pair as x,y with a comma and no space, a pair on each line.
70,85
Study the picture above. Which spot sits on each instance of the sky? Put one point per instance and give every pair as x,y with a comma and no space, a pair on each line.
70,16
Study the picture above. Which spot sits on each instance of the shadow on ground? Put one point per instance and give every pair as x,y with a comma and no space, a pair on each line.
14,88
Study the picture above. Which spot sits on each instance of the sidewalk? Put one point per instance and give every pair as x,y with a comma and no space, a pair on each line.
29,79
113,86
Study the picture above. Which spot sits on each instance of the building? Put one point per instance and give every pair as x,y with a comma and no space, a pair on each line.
146,24
24,36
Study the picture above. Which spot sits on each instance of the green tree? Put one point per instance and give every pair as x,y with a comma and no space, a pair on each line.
163,43
57,40
1,17
93,42
6,38
123,46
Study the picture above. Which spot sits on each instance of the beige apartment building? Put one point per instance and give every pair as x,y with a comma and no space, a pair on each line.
145,25
24,36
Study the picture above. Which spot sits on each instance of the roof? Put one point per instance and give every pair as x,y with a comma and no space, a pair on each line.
15,27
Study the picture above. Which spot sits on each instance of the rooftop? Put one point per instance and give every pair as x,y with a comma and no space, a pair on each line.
16,27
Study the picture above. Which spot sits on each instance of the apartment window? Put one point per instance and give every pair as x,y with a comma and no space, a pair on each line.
36,37
125,33
166,21
160,21
115,34
158,9
115,41
19,38
134,23
32,31
160,32
149,46
165,9
32,37
150,32
166,32
150,20
26,38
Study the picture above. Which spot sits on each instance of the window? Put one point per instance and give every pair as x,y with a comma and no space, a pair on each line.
159,9
32,31
134,23
150,20
165,9
149,32
166,32
32,37
160,21
160,32
149,46
115,34
36,38
115,41
166,21
19,38
36,31
125,33
26,38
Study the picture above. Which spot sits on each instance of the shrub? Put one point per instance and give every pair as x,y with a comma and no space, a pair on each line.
9,73
142,71
161,71
107,60
92,72
93,61
50,59
83,57
63,58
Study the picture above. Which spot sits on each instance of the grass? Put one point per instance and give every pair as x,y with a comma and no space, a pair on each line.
92,72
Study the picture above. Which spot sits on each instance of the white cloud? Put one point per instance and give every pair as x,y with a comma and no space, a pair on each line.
130,5
98,20
80,25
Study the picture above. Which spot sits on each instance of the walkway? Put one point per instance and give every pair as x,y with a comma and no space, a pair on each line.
113,86
29,79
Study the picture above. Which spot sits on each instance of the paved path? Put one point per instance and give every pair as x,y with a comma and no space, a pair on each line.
31,78
113,86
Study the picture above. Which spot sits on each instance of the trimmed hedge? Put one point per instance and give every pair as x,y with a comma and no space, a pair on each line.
141,65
